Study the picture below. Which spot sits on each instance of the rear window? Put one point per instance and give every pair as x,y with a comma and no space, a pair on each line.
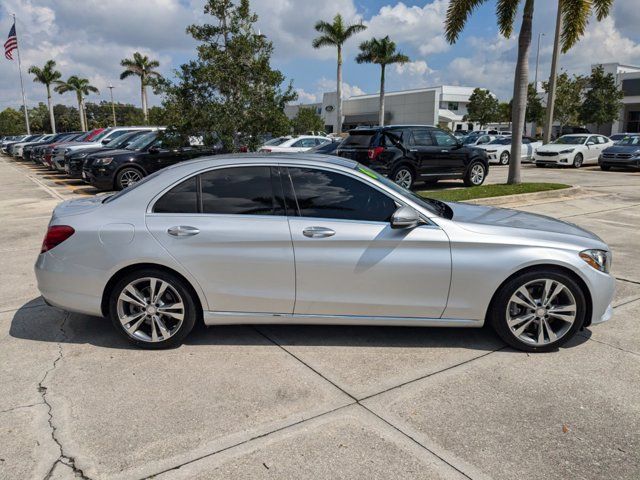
358,139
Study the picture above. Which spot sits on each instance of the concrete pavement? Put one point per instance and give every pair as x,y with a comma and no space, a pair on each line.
311,401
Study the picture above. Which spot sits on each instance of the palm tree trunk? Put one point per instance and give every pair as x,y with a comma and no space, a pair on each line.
339,106
381,119
143,94
520,88
82,127
84,114
52,119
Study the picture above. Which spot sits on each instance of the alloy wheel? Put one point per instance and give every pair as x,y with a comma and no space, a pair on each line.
541,312
504,158
150,310
129,177
577,161
477,174
404,178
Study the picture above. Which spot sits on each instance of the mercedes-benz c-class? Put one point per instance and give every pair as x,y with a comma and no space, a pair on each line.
318,240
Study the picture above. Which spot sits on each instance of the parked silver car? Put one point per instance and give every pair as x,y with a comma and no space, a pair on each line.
320,240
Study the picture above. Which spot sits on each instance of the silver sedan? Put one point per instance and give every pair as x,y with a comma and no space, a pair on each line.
317,240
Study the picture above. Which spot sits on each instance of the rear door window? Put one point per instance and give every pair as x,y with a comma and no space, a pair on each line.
183,198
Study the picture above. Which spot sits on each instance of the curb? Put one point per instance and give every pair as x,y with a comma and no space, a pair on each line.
535,197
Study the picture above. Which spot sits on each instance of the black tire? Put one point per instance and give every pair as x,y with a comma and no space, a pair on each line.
605,168
504,158
124,177
186,297
470,179
404,176
577,160
497,315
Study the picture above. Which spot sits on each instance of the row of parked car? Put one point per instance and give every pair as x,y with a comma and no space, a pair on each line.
107,158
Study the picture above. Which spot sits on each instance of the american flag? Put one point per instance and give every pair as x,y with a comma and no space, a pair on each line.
11,44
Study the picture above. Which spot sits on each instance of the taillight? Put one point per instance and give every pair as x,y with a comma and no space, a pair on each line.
373,153
55,236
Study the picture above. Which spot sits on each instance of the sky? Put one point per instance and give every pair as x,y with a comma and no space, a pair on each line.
90,37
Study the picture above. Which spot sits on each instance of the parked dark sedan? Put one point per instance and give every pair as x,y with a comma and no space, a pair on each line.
73,161
411,153
35,151
624,154
117,169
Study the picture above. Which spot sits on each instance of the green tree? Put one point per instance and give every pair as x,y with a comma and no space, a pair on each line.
11,122
602,100
66,118
483,107
335,34
141,66
230,92
381,52
39,118
82,88
47,75
307,120
504,112
535,109
569,92
576,15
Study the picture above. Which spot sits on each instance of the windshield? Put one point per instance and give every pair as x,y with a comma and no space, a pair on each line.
634,140
101,135
125,139
143,141
469,139
276,141
570,140
434,206
500,141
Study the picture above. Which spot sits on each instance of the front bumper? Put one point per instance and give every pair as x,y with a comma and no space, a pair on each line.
564,159
633,162
99,177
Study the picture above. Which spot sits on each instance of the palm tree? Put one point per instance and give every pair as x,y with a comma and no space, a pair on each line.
575,15
335,35
141,66
47,75
82,88
383,52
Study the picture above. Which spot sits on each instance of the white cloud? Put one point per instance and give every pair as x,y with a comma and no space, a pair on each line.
420,27
306,97
419,67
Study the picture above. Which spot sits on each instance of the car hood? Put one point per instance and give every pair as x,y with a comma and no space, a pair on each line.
554,147
503,217
623,149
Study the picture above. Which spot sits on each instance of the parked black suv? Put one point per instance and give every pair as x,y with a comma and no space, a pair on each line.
411,153
117,169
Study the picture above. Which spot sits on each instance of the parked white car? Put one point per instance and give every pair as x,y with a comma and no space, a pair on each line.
293,144
499,149
473,140
572,150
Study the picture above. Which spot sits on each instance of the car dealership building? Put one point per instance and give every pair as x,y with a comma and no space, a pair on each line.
628,77
444,105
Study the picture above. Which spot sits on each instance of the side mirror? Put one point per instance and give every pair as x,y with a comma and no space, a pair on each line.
154,149
405,217
105,141
590,143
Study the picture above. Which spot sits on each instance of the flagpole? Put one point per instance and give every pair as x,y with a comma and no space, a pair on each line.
24,99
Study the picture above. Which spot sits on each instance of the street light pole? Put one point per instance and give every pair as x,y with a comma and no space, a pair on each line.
113,108
551,97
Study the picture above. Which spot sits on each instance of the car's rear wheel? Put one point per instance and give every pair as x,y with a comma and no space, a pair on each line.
152,309
475,175
127,177
504,158
577,160
538,311
403,176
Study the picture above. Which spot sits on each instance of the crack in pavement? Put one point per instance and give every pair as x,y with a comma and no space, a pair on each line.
21,406
62,457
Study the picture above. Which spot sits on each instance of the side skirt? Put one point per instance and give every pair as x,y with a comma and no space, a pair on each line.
239,318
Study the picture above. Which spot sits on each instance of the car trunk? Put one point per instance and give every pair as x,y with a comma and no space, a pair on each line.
356,146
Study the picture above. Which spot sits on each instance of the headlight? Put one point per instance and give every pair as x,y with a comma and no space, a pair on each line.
103,161
81,155
598,259
568,150
636,153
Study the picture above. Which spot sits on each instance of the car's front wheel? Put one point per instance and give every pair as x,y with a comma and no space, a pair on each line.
504,158
475,174
538,311
577,160
127,177
152,309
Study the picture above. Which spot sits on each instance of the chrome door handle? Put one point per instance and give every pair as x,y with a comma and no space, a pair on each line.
183,231
318,232
413,150
444,151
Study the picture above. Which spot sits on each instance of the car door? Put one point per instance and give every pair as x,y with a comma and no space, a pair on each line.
303,145
350,262
450,158
422,149
228,229
592,151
